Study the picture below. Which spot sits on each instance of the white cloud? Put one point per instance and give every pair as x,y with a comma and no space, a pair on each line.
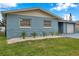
66,17
74,18
63,6
7,5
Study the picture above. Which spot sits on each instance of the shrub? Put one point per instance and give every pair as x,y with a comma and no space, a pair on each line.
52,33
44,33
23,35
34,34
56,33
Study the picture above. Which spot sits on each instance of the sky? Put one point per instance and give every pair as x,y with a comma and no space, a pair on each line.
60,9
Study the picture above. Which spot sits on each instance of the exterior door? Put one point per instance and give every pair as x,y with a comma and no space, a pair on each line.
60,27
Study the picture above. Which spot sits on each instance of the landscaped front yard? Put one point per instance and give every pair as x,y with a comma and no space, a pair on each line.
46,47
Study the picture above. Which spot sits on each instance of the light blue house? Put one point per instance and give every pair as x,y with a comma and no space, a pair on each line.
35,20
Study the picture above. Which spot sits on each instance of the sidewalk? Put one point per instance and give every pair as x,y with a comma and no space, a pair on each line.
14,40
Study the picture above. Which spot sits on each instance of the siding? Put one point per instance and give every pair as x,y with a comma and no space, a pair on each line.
33,13
14,30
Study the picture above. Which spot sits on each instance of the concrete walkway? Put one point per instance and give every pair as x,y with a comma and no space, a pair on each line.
76,35
14,40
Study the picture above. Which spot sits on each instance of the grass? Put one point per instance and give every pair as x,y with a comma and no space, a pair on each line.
47,47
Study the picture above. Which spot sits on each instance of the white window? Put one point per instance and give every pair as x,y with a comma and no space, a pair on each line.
25,23
47,24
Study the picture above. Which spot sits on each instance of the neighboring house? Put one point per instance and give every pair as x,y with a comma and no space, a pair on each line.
2,27
77,26
35,20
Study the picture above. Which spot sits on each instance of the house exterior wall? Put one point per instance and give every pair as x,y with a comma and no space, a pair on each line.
2,29
14,30
77,26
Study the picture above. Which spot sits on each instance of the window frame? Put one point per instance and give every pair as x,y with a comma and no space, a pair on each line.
25,26
47,26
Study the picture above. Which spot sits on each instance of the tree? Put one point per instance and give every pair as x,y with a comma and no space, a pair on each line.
2,23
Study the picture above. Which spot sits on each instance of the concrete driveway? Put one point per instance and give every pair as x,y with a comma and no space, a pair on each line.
76,35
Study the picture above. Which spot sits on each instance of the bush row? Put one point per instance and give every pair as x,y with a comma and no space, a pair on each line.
34,34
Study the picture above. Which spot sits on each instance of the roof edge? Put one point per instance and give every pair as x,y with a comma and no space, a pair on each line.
12,11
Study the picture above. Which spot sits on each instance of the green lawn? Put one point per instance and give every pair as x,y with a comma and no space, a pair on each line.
47,47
